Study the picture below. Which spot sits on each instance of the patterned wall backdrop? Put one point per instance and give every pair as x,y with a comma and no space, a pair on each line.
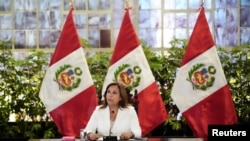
36,24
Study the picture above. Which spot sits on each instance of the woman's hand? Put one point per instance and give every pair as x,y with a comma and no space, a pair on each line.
93,136
126,135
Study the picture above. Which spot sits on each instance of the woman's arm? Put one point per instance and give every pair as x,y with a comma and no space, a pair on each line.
134,124
93,136
92,123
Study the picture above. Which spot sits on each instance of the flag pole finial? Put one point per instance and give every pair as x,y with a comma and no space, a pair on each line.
71,3
127,5
202,2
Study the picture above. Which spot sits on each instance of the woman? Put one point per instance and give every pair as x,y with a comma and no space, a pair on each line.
115,117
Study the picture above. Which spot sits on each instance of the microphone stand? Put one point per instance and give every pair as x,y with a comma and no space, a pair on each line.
110,137
135,101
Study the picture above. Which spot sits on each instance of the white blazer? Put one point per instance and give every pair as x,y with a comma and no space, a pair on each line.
126,120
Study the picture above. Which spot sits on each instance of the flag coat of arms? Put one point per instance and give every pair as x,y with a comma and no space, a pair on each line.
67,90
200,90
129,67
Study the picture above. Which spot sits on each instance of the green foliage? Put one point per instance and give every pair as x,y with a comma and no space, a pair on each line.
236,68
20,82
235,63
98,66
19,90
164,68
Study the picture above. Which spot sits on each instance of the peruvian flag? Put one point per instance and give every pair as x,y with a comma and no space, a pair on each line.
129,66
67,90
200,89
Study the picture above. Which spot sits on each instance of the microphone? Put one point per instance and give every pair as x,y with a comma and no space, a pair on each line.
110,137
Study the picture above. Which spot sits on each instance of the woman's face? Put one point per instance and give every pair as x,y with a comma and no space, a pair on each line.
113,95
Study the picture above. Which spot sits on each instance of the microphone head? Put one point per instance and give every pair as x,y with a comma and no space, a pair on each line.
112,112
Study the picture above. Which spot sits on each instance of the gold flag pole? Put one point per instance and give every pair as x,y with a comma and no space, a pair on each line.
202,2
71,3
127,4
201,6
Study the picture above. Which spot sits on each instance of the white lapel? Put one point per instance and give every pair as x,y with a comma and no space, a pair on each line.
104,117
119,120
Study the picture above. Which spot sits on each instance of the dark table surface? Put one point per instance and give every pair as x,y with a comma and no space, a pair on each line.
143,139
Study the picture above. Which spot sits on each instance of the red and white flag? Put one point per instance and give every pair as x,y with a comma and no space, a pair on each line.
200,90
67,90
129,66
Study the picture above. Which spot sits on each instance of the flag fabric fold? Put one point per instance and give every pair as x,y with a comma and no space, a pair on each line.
200,90
129,66
67,90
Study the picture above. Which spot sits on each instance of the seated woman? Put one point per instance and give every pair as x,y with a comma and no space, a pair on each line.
114,117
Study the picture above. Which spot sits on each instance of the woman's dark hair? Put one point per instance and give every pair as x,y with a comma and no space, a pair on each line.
123,103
